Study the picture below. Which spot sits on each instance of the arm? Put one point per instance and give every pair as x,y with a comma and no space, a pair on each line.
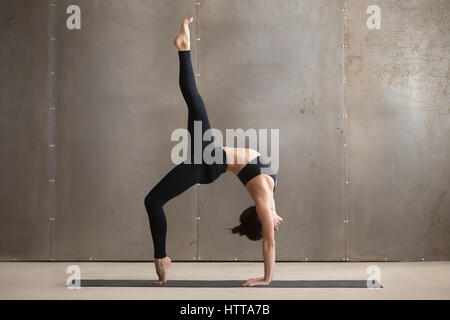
265,215
268,247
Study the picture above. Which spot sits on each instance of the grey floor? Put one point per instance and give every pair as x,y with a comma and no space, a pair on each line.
47,280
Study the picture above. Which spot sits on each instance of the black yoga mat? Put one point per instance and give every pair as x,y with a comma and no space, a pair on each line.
227,283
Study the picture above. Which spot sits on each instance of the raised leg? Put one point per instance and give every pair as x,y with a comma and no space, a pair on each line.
196,106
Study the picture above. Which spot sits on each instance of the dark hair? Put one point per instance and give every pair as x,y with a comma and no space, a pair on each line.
250,225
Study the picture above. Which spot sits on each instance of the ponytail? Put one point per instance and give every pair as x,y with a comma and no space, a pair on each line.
238,229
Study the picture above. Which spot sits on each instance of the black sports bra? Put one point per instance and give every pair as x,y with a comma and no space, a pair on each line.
253,169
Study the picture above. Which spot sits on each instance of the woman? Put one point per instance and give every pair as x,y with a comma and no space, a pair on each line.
258,221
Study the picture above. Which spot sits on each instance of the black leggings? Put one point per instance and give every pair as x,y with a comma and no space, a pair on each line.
186,174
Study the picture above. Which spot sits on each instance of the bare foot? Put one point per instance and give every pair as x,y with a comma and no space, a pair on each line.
161,266
182,40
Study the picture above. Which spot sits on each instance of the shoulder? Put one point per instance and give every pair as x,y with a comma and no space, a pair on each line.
262,198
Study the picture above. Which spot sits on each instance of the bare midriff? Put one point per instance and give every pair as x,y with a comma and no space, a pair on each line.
238,158
241,157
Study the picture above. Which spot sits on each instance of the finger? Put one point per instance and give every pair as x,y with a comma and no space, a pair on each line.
157,282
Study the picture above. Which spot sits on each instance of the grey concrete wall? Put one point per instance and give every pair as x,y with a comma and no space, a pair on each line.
262,64
398,131
25,200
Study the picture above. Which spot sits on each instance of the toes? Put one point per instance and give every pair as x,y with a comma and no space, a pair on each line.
188,20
